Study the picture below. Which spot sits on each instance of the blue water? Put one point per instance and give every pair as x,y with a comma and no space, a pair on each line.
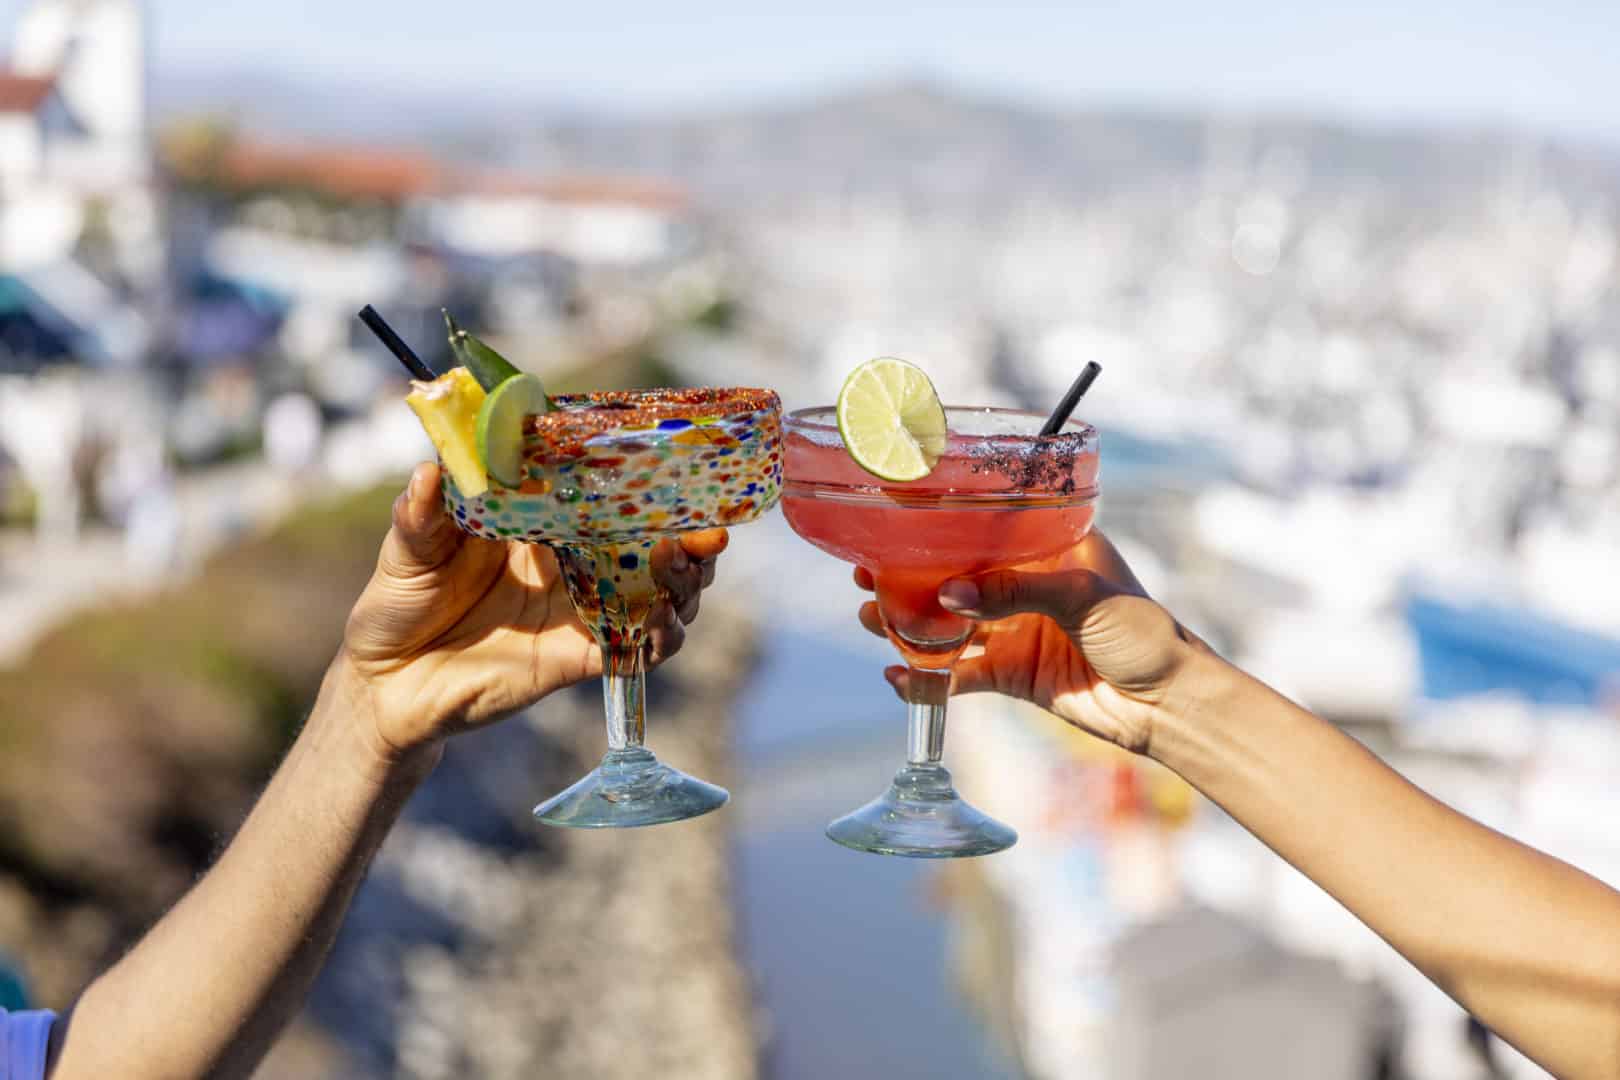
850,958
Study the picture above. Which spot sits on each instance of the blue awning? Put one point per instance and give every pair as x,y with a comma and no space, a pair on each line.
33,334
222,319
1466,649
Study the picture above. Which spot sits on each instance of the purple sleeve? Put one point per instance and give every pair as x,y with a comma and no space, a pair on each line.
23,1037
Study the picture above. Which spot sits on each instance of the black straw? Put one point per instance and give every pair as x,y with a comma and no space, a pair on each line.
396,344
1065,409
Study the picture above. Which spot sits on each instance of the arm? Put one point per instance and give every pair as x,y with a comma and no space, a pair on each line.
207,991
451,633
1527,943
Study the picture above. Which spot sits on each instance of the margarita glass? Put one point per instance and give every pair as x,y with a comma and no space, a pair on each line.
606,477
1001,495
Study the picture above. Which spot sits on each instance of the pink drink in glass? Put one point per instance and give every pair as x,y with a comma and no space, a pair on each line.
1002,495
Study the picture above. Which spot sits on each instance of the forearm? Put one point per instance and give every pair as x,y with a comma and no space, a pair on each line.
1527,943
207,991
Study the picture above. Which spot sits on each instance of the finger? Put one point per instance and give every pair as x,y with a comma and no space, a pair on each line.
535,565
898,678
1099,554
423,536
669,562
665,634
967,677
677,575
1065,597
1095,553
872,619
705,543
708,570
864,579
687,610
972,675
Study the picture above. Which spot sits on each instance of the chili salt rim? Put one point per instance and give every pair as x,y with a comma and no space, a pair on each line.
643,409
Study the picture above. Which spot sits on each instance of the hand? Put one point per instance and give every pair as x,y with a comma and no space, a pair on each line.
454,631
1079,637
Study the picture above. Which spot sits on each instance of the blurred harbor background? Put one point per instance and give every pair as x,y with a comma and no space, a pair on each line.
1354,279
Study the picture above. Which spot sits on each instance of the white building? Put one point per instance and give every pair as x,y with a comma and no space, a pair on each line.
78,218
603,221
74,142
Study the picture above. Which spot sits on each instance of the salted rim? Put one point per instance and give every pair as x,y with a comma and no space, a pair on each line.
800,420
1078,438
643,408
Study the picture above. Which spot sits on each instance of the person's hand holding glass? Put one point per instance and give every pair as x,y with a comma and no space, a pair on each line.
1076,635
456,631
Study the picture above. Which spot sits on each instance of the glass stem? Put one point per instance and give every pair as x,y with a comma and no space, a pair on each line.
925,734
624,695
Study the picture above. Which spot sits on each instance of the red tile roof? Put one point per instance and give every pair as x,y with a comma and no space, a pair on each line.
347,172
394,175
24,93
620,190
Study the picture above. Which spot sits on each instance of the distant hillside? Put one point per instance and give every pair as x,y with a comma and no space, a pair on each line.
284,104
911,138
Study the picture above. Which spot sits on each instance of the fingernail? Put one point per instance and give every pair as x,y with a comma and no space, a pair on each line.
679,562
959,593
418,485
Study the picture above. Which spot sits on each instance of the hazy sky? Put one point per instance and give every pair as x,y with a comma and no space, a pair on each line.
1548,65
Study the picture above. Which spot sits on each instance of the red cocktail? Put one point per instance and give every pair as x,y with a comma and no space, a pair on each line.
1002,495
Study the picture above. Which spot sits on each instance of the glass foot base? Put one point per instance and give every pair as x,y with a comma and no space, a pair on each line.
630,788
922,816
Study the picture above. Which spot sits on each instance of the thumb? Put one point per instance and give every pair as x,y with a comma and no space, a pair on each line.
1065,597
423,536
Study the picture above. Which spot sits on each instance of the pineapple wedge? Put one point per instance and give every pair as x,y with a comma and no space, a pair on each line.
448,408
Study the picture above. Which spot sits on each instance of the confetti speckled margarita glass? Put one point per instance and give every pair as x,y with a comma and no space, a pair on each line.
608,476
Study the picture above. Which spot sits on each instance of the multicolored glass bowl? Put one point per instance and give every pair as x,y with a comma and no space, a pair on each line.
621,464
606,478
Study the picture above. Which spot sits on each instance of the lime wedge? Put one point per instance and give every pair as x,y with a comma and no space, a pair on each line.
500,426
891,420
